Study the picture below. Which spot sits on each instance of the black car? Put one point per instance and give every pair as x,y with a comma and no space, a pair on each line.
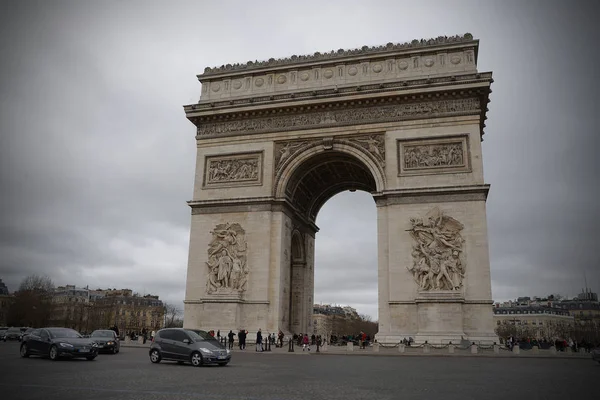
12,334
107,341
58,342
25,332
596,354
186,345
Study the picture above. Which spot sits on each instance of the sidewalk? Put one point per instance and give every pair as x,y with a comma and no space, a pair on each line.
393,351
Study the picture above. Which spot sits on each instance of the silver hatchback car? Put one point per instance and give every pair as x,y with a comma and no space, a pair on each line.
186,345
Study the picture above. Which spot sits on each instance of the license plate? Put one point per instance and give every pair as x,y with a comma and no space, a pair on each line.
100,345
84,350
222,357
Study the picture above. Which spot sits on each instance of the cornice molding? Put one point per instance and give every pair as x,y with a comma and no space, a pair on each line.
332,93
443,194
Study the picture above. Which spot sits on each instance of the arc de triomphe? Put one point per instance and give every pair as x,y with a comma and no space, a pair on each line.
276,139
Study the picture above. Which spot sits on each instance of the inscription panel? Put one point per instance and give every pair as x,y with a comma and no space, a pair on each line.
241,169
434,156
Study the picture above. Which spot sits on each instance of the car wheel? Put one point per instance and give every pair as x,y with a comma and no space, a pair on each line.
90,358
155,356
53,353
196,359
24,351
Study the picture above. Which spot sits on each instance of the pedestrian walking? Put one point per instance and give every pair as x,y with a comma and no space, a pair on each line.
259,340
231,337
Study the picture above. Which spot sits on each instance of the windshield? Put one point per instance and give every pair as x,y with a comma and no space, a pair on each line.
199,335
108,334
64,333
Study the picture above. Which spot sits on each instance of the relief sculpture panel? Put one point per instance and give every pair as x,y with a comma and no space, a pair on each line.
233,170
433,156
377,114
227,267
438,262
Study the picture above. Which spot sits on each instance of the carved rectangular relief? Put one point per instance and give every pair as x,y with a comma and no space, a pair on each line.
449,154
226,170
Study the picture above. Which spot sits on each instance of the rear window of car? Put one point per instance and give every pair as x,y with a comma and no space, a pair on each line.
64,333
14,330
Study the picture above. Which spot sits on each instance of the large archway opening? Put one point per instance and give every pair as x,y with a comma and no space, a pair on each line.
336,267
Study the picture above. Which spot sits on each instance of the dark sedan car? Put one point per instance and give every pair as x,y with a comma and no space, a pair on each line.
12,334
107,341
58,342
186,345
596,354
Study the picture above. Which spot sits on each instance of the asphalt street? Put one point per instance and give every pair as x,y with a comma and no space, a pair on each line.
296,376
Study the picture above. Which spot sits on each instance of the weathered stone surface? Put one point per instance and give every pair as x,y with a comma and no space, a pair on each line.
275,144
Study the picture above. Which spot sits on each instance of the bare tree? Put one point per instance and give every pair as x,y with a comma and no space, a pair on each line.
171,315
32,304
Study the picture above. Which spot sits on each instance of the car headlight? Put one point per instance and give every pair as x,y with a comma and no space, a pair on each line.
67,345
228,351
110,343
206,351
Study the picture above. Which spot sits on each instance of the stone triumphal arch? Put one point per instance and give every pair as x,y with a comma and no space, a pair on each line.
276,139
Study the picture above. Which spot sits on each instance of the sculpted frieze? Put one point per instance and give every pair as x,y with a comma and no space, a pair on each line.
227,263
431,156
350,116
440,155
237,169
438,254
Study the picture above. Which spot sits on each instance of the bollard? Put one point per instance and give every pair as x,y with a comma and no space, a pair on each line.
568,350
375,347
535,350
324,347
426,348
401,348
552,350
516,349
350,346
496,349
451,348
473,349
291,346
318,345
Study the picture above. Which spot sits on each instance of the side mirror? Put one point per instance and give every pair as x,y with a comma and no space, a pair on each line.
186,341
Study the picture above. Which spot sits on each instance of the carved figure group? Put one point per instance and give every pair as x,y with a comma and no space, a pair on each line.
374,144
450,154
437,254
227,268
228,170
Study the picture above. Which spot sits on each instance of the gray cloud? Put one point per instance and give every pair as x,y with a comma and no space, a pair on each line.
97,159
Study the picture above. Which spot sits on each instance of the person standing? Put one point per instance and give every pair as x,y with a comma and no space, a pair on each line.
242,339
259,340
231,336
305,342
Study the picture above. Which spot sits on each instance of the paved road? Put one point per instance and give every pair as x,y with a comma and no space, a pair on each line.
130,375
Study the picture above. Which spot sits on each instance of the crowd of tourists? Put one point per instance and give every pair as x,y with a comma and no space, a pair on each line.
559,344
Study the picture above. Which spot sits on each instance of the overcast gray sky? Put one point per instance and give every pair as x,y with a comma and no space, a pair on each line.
97,158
